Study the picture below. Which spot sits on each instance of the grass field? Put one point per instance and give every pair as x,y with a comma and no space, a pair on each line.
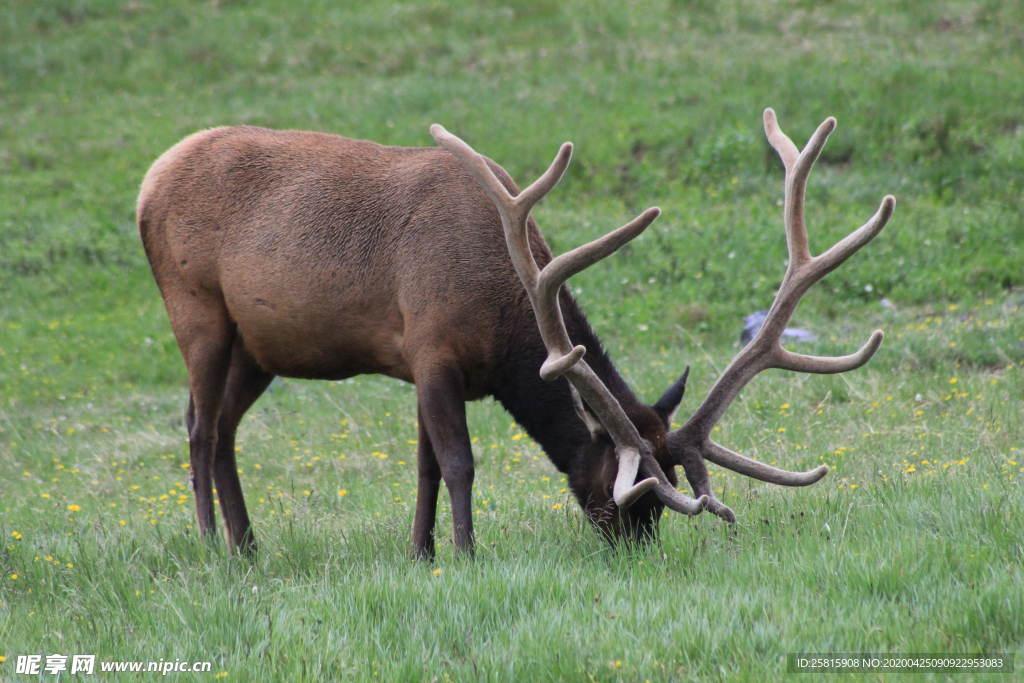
914,543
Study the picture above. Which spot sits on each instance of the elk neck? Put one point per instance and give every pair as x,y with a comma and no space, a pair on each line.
544,409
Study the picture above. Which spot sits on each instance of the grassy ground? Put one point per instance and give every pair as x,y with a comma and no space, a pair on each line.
912,544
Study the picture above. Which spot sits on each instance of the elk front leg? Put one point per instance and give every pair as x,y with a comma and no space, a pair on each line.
442,411
428,486
246,382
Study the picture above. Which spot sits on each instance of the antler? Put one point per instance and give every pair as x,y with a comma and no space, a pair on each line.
542,286
692,443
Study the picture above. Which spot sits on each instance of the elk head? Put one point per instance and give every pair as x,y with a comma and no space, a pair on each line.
645,463
593,482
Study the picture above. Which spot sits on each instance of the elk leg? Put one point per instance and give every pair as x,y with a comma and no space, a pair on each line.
205,338
428,485
442,411
246,382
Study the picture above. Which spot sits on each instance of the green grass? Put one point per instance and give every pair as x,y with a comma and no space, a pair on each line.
922,551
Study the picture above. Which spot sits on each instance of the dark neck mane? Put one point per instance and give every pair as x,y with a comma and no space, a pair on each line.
545,409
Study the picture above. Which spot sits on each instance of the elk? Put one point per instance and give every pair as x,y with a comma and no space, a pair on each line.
315,256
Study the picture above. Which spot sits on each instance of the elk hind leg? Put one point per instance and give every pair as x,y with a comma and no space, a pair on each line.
246,382
205,338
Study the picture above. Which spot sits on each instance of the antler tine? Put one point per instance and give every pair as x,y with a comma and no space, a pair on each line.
797,171
823,365
779,140
565,266
720,455
833,258
542,288
529,197
579,259
765,350
809,154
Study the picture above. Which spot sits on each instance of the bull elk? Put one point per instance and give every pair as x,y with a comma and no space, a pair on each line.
314,256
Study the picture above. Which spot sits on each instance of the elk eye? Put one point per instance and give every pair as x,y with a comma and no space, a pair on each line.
610,489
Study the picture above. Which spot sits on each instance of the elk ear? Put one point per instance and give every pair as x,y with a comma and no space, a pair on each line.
669,402
594,425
